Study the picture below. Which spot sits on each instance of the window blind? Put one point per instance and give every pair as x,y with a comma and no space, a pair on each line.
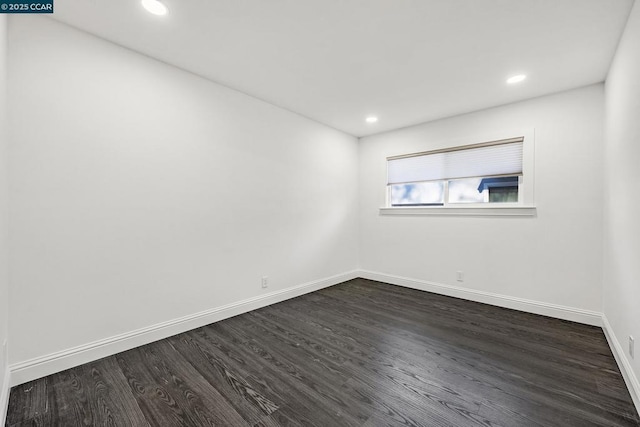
487,159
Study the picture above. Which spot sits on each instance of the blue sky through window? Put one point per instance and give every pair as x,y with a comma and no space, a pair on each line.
419,193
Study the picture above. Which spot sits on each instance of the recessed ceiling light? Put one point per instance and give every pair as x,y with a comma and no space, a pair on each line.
516,79
155,7
371,119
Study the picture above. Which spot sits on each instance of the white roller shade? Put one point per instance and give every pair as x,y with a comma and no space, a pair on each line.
499,158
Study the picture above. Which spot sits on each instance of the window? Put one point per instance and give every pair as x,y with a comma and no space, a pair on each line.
481,174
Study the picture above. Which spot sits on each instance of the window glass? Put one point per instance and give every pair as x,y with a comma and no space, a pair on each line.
418,194
467,191
502,189
503,195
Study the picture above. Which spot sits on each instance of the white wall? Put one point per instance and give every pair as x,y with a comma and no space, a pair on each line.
554,258
4,274
141,193
622,205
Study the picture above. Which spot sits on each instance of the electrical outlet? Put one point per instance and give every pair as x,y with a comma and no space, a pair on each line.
460,276
265,282
631,349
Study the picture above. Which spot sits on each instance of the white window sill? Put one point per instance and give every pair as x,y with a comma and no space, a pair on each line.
461,211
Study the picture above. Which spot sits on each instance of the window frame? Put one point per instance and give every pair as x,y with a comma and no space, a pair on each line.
525,205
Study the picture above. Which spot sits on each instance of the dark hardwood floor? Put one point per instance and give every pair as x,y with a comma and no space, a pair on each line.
361,353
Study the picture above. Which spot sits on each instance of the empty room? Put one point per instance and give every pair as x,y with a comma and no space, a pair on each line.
321,213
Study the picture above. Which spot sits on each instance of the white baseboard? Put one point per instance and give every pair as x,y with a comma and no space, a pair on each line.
628,374
46,365
4,396
536,307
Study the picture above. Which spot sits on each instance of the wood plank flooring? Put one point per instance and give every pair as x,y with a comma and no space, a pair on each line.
361,353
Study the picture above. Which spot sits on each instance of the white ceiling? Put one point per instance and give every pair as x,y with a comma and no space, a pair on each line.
337,61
